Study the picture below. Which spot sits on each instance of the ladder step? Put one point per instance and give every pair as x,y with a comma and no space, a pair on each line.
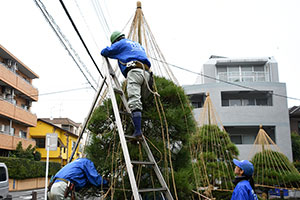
142,162
153,190
118,91
130,137
125,113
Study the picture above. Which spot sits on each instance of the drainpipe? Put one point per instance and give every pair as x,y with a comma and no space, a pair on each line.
67,147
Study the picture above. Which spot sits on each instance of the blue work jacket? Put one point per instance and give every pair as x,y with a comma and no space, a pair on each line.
243,191
80,172
125,51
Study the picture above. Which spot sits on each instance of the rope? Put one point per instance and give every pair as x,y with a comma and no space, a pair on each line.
144,75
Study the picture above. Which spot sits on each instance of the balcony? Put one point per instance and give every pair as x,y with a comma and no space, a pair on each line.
18,82
11,111
10,142
244,76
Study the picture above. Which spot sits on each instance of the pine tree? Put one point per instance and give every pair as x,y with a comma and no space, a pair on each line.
167,124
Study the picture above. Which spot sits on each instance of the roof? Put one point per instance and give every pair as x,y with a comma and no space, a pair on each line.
294,111
62,121
21,66
47,122
221,60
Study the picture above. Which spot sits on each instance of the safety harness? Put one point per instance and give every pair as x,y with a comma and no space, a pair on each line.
137,64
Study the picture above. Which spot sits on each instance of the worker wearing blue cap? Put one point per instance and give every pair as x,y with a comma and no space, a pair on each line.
244,188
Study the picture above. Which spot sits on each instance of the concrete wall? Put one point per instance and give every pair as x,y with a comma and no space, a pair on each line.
27,184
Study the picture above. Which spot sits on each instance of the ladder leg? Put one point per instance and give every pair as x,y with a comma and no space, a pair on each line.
87,118
156,169
122,138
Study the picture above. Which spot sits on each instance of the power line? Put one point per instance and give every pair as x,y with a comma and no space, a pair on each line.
62,91
230,83
62,38
86,24
74,26
101,18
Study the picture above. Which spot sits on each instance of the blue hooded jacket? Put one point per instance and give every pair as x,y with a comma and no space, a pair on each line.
80,172
243,191
125,51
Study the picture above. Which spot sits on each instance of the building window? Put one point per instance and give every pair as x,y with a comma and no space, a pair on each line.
246,98
40,142
197,100
243,73
22,134
73,144
65,127
247,134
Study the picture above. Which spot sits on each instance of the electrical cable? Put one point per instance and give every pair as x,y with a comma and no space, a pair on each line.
62,91
230,83
52,23
103,17
86,24
74,26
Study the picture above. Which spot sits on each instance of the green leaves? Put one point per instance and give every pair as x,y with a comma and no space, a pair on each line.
168,115
22,168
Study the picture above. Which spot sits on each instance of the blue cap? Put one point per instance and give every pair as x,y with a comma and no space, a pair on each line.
245,165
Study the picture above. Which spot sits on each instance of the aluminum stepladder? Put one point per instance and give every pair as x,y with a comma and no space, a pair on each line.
110,78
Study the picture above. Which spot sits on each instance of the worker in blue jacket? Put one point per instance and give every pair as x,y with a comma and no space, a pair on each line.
244,189
135,66
73,177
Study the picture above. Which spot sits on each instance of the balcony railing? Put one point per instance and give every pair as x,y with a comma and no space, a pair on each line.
17,81
244,76
10,142
9,110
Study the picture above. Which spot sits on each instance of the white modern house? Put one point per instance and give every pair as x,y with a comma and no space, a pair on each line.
245,93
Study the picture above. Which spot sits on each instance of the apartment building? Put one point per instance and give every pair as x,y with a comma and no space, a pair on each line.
244,93
66,141
16,96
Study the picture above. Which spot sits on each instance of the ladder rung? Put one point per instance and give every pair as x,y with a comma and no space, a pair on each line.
125,113
130,137
118,91
152,190
142,162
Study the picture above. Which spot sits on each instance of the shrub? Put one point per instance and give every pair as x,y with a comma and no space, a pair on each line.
21,168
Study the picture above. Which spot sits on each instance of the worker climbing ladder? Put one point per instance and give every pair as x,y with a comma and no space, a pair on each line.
110,75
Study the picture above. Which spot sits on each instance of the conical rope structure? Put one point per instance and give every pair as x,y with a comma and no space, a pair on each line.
163,126
212,154
272,169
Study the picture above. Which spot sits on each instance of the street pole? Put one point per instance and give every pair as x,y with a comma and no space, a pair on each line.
47,166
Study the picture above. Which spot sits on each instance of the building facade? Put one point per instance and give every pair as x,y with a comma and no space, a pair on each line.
16,96
295,119
65,123
66,142
245,93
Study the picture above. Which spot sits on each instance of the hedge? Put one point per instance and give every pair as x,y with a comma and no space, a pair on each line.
21,168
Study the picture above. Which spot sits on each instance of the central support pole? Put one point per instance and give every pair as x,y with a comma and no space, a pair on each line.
139,18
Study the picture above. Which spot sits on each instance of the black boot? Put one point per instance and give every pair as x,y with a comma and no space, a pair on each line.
137,121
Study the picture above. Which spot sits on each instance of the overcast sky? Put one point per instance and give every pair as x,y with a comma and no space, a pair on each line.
188,33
